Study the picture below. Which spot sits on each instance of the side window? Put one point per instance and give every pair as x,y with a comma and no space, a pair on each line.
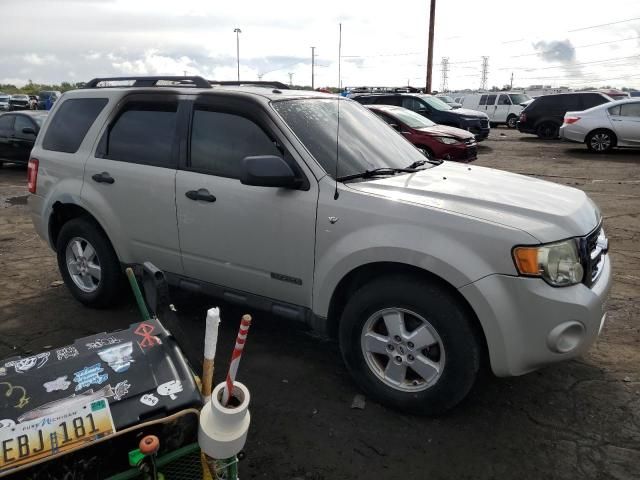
591,100
397,101
6,123
22,122
491,99
614,110
71,122
412,104
630,110
573,102
504,100
219,142
483,100
143,132
386,118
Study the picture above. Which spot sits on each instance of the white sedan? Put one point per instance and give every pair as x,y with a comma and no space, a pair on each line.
613,124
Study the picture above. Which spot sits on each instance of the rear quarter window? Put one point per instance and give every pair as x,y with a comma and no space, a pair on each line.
593,99
71,122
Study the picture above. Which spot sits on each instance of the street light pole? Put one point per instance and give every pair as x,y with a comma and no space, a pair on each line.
237,31
432,19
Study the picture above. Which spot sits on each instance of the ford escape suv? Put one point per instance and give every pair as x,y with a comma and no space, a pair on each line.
257,195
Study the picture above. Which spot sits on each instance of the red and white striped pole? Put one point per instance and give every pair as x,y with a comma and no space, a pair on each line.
245,323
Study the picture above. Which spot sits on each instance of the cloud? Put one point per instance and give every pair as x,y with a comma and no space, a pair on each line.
556,51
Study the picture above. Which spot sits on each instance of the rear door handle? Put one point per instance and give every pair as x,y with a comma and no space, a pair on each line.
103,177
200,194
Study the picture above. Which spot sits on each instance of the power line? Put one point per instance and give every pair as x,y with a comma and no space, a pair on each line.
577,46
603,25
570,65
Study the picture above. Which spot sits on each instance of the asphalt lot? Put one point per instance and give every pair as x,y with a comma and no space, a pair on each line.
579,419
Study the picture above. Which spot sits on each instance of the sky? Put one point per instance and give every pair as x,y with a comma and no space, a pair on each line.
550,42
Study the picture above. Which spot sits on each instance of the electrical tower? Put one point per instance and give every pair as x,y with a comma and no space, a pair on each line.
485,72
260,75
290,79
444,67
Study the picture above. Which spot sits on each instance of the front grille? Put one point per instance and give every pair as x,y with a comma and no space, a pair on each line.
484,123
593,249
471,153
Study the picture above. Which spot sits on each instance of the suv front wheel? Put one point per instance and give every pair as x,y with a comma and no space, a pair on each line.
88,264
409,344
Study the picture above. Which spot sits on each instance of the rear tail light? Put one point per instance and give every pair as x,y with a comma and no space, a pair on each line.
570,120
523,117
32,175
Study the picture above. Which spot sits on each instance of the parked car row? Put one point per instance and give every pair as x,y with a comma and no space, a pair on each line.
18,132
43,101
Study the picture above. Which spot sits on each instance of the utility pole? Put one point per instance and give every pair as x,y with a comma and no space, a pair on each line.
313,64
511,84
444,82
432,21
290,79
485,72
237,31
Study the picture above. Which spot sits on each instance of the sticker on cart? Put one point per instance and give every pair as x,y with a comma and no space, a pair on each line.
7,423
66,353
60,383
170,389
103,342
25,364
90,376
149,399
62,430
120,390
145,330
118,357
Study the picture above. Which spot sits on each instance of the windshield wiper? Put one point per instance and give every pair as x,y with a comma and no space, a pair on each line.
375,172
419,163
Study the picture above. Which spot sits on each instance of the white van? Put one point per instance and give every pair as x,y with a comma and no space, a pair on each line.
500,107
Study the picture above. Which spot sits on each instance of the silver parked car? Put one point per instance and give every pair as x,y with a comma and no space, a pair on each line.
418,267
4,101
602,128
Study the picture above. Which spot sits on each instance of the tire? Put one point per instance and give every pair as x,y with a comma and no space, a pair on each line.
79,269
432,316
548,130
427,151
601,141
512,121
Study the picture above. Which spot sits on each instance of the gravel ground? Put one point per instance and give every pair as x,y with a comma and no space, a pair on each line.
579,419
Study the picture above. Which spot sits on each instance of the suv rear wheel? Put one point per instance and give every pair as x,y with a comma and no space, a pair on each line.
601,141
88,264
409,344
548,130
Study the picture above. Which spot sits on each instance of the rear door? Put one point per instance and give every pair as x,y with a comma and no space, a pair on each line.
258,240
490,106
23,142
626,122
130,180
7,149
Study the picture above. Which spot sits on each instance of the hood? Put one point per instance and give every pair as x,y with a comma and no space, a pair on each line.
469,113
547,211
445,130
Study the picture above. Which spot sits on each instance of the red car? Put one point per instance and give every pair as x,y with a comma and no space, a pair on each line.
437,141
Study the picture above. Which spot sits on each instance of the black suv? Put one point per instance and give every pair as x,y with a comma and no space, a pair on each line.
544,116
435,110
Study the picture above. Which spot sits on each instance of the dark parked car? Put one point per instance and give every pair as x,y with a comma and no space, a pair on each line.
44,96
435,110
19,102
4,101
18,132
544,116
437,141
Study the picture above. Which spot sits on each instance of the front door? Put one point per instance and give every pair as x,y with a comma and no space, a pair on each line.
251,239
130,181
490,108
501,110
627,122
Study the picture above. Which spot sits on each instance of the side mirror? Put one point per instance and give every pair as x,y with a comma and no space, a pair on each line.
28,131
267,171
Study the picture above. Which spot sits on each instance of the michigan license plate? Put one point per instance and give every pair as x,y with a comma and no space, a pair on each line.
52,434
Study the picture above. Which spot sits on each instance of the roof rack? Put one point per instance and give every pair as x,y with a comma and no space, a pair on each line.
151,81
256,83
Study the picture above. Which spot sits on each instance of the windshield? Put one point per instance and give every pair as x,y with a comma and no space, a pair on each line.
365,141
410,118
436,103
518,98
44,95
446,99
4,98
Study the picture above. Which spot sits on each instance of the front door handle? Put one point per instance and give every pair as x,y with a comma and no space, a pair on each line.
103,177
200,194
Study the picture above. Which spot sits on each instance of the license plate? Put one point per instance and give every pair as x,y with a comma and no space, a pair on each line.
52,434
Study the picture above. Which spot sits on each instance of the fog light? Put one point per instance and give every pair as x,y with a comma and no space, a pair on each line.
566,337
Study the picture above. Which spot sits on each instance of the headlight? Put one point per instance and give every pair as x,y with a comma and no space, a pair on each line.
557,263
447,140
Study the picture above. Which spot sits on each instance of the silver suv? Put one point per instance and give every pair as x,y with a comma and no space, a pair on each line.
258,195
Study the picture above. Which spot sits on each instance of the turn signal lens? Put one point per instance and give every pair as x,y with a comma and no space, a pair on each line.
526,259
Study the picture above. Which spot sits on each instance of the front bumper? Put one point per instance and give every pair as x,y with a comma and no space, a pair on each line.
524,319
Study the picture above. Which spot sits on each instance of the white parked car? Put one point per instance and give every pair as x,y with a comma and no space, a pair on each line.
610,125
500,107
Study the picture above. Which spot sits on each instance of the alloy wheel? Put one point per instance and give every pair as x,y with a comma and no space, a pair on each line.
83,264
402,349
601,142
